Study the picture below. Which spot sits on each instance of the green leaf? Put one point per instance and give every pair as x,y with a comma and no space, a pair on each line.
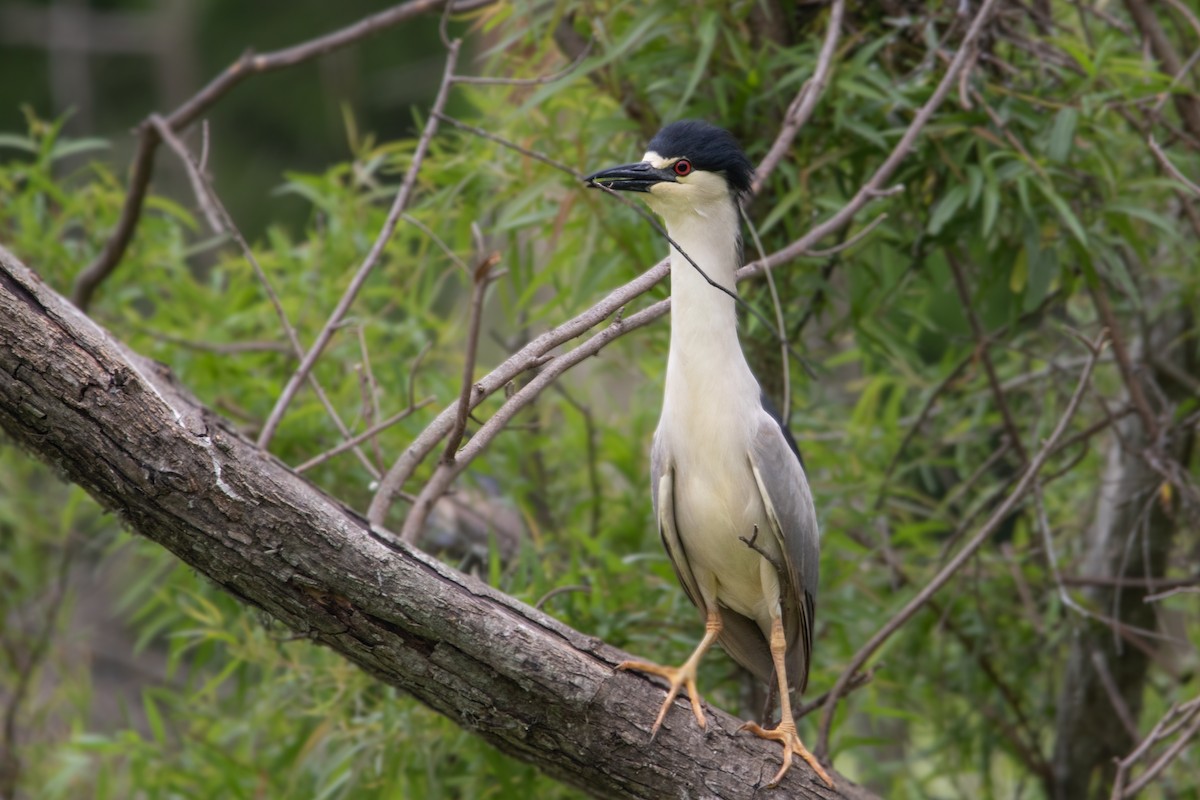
1062,135
946,208
153,717
18,142
1064,212
1041,277
74,147
1019,276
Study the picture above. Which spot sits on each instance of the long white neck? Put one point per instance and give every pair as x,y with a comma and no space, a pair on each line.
706,371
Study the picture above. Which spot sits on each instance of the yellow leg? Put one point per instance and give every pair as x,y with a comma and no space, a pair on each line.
785,732
685,675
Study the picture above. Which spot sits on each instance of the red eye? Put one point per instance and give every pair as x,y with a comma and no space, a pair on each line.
683,167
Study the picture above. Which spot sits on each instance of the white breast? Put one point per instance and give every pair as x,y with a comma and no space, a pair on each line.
707,429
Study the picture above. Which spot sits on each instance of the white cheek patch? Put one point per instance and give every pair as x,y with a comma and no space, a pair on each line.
657,161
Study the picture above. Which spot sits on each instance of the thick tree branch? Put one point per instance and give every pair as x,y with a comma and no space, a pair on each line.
118,425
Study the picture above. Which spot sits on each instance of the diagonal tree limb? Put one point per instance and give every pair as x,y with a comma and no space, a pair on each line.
118,425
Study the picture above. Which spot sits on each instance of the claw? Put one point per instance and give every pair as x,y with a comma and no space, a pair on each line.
678,677
786,735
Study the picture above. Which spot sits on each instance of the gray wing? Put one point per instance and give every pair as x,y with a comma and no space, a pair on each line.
788,499
662,491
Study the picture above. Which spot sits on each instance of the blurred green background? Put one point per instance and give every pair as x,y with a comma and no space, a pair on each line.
126,675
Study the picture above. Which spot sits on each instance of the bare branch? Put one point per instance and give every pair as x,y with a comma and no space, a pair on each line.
858,236
1124,362
982,343
1119,706
445,474
354,441
500,140
1172,722
1150,584
483,279
785,372
369,389
531,355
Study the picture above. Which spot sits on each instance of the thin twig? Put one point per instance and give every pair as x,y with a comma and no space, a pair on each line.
858,236
982,343
482,279
374,430
370,390
230,228
220,348
859,680
18,692
558,590
969,549
445,248
1154,598
1170,167
412,372
373,256
915,427
557,76
1119,706
1149,584
1124,363
1169,755
511,145
593,458
785,371
1023,590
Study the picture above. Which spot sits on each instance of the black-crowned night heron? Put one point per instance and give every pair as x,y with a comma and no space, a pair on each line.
730,495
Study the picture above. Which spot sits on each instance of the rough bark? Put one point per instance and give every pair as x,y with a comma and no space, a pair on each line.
120,426
1130,538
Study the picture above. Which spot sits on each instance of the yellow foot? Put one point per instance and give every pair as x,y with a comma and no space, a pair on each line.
787,736
678,677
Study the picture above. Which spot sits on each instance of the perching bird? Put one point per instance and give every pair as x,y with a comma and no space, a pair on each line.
730,495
